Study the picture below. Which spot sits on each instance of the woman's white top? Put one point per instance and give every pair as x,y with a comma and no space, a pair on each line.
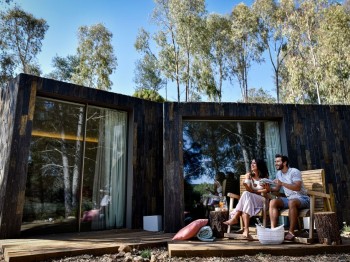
255,184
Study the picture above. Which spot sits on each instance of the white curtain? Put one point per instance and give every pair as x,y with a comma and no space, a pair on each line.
110,171
273,145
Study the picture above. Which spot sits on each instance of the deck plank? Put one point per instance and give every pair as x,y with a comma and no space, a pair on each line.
92,243
107,242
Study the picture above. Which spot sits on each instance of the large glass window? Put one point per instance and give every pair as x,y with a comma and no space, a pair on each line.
227,147
76,172
104,169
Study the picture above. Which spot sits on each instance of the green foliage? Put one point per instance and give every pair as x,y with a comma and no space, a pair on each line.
149,94
181,24
201,189
7,67
146,253
21,37
271,21
212,147
64,68
147,73
210,65
248,43
96,57
334,54
260,96
346,228
308,44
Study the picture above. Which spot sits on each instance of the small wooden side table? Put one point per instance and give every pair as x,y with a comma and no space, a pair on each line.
216,219
326,224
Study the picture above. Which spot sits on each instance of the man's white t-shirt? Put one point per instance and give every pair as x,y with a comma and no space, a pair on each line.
290,177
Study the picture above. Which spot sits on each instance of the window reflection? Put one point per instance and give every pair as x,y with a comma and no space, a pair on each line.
54,167
211,147
76,169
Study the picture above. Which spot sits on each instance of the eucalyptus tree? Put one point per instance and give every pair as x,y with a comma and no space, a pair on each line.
64,68
91,66
305,68
346,4
21,37
147,72
247,45
179,22
190,25
334,54
216,53
149,94
259,95
272,18
7,68
96,57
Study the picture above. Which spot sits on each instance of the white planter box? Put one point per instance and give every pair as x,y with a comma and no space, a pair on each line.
152,223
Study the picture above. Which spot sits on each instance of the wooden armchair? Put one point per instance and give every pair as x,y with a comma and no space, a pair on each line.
232,197
314,182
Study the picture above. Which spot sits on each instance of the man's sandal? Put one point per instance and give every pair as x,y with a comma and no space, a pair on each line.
289,237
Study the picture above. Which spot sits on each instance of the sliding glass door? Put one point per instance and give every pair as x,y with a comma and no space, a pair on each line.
226,147
104,169
76,168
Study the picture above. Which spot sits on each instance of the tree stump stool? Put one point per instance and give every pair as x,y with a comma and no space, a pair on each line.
326,224
216,219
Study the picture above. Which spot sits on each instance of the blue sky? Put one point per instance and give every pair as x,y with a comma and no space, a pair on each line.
123,19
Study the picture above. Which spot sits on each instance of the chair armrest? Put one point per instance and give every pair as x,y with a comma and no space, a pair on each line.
318,194
231,195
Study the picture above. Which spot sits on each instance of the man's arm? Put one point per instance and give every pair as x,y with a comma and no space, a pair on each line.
296,186
275,188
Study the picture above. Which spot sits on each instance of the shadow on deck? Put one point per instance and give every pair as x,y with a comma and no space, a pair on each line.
107,242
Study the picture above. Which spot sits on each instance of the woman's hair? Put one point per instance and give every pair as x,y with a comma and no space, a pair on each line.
262,167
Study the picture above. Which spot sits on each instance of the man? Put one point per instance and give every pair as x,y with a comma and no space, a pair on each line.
291,182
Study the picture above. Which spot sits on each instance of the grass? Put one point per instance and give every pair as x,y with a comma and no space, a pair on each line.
346,228
146,253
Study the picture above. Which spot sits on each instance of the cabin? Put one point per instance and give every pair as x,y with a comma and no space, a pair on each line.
76,159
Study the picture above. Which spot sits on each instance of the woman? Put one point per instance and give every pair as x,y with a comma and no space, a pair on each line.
219,188
219,184
251,201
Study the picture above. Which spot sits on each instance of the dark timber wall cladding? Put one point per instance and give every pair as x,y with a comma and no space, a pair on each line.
146,125
317,136
314,136
17,107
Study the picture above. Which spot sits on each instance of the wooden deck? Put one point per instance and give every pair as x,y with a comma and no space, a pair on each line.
97,243
106,242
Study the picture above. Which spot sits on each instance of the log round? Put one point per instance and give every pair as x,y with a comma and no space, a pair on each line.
216,219
328,232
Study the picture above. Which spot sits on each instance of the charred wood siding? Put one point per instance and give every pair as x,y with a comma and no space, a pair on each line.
145,126
17,108
316,136
313,136
146,129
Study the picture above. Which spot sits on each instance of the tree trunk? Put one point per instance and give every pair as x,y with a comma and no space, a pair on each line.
77,159
327,228
244,147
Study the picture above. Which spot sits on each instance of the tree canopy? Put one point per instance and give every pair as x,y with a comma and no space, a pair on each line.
196,52
21,37
96,57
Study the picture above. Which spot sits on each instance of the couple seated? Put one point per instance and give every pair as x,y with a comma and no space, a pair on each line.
252,201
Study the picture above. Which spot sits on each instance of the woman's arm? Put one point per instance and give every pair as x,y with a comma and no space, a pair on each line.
248,183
